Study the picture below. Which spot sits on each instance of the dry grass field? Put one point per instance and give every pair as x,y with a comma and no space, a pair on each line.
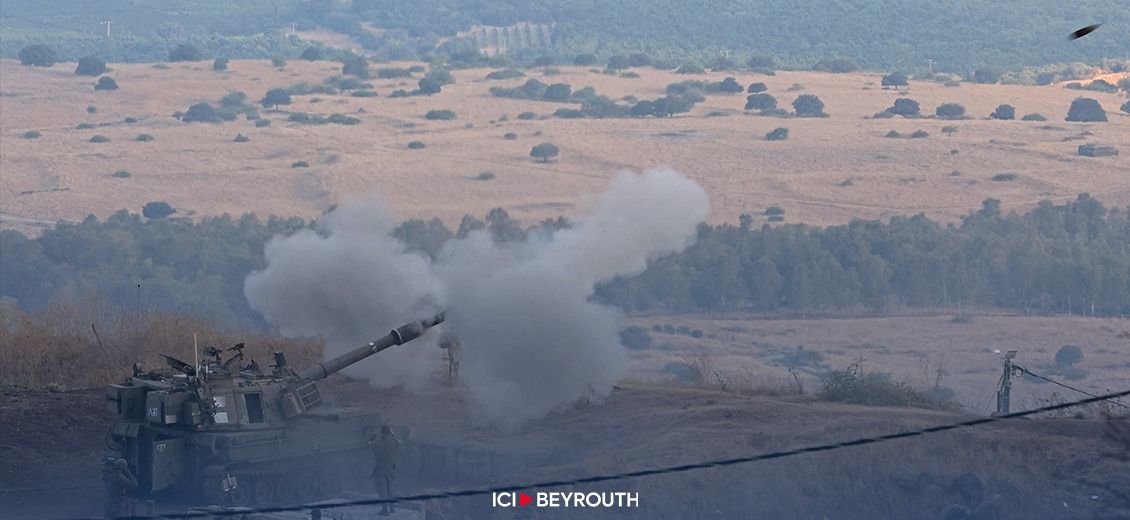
201,171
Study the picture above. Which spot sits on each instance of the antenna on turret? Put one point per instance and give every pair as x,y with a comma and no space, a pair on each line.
196,352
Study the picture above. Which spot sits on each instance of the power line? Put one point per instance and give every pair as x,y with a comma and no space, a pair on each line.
1069,387
470,492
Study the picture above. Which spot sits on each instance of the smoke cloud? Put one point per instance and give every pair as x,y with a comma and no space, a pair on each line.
533,341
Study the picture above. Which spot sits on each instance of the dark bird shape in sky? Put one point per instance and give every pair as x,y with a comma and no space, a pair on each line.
1084,31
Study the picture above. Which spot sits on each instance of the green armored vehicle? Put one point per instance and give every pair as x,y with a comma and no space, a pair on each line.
222,432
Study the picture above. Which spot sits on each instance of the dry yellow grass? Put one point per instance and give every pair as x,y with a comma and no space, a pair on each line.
197,167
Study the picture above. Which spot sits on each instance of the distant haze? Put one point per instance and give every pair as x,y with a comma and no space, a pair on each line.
532,339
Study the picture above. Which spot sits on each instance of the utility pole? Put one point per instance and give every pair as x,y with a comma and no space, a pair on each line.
293,28
1004,386
107,24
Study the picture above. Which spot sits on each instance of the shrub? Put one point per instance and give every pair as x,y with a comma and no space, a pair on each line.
129,120
1086,109
399,93
32,134
949,130
1068,355
201,113
568,113
760,102
635,337
987,75
905,107
185,52
143,138
526,116
121,174
38,55
220,64
545,151
278,62
364,94
91,109
838,65
261,123
774,210
778,134
585,60
98,138
919,134
84,126
484,176
853,386
157,210
440,115
808,105
895,79
951,83
506,74
90,66
761,63
893,134
1125,107
950,111
354,65
1034,116
416,145
728,85
275,97
1003,112
557,92
510,136
299,164
1004,177
756,88
690,68
240,138
393,72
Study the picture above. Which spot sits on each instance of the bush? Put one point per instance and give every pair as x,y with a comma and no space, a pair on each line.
91,109
949,130
261,123
157,210
185,52
32,134
440,115
1086,110
919,134
506,74
484,176
808,105
894,134
1034,116
299,164
545,151
106,83
635,338
38,55
121,174
905,107
278,62
895,79
760,102
761,63
853,386
1004,112
756,88
90,66
240,138
1004,177
568,113
728,85
987,75
416,145
510,136
220,64
951,83
313,53
354,65
84,126
275,97
950,111
690,68
526,116
398,93
774,210
364,94
558,92
1125,107
98,138
143,138
778,134
585,60
201,113
129,120
1068,355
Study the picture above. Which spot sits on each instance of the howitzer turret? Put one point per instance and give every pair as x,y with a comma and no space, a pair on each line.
206,427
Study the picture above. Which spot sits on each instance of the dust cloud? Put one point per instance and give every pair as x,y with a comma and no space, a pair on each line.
533,341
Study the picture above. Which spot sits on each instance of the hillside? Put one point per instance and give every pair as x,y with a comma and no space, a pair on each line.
830,170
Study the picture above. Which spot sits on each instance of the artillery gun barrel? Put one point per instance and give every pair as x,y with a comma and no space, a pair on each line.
398,336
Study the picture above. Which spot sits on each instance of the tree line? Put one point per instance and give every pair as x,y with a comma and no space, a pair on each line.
1055,258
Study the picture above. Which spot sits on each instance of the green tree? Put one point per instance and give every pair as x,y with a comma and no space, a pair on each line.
90,66
987,75
635,337
950,111
1086,109
354,65
557,92
106,83
313,53
905,107
38,55
836,65
545,151
585,60
1068,355
618,62
157,210
760,102
668,106
895,79
201,113
1004,112
220,64
185,52
761,63
808,105
756,88
275,97
777,134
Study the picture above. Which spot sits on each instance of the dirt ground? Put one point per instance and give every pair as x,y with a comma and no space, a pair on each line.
830,170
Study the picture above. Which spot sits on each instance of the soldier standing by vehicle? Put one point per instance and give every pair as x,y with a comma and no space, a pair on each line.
385,449
119,481
450,344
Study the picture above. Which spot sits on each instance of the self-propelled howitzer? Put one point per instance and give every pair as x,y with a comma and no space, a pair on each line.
227,432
